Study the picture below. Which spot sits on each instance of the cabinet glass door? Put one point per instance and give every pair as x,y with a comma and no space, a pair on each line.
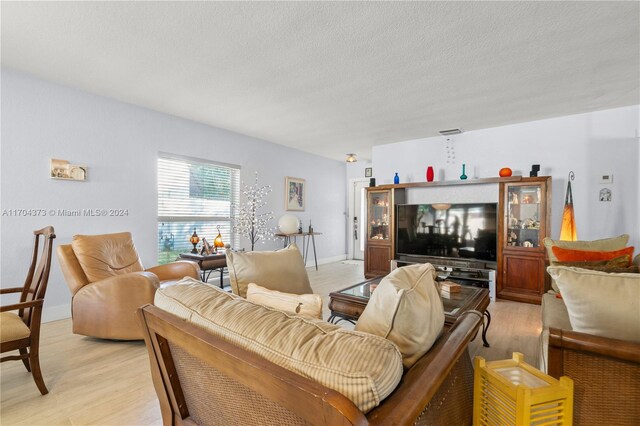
378,217
524,216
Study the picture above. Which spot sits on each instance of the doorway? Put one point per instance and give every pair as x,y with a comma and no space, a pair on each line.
357,218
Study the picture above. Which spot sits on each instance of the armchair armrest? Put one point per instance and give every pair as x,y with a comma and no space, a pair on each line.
106,308
11,290
176,270
22,305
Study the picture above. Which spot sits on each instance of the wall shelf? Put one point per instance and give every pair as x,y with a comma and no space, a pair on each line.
452,182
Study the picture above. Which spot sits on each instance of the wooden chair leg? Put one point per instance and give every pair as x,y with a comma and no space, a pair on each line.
36,372
25,360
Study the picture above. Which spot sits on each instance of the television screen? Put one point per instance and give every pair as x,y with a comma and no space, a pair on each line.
448,230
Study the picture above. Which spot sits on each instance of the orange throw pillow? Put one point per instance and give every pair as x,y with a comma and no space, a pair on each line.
569,255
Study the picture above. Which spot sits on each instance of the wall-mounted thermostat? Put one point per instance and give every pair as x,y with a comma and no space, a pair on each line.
608,178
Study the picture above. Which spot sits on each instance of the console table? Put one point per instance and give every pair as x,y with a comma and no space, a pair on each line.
208,263
306,242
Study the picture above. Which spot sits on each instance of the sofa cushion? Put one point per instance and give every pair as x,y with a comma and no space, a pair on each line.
103,256
554,314
363,367
305,305
571,255
599,303
606,244
406,308
281,270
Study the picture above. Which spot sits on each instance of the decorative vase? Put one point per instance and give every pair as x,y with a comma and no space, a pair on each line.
505,172
396,179
463,176
429,174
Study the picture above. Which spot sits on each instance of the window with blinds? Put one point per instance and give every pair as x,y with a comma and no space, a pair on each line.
194,194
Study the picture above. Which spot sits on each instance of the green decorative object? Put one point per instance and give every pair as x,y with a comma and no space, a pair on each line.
463,176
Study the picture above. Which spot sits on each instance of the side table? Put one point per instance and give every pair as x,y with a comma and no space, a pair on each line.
306,242
208,263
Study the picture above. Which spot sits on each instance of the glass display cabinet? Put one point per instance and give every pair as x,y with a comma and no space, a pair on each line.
379,215
525,223
380,229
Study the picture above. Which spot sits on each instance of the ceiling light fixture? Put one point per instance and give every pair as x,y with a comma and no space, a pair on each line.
351,158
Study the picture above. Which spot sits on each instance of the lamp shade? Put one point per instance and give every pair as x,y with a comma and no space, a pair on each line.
288,224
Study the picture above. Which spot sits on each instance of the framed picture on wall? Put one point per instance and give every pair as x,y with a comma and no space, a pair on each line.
368,172
295,193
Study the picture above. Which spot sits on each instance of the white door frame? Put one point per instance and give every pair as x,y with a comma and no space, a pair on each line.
351,213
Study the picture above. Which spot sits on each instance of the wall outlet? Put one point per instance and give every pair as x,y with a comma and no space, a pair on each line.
606,178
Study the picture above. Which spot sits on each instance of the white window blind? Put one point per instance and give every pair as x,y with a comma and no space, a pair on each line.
198,194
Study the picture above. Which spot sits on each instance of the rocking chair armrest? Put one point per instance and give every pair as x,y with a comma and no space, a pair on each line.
22,305
11,290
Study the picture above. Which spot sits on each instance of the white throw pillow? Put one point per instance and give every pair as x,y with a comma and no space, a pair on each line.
600,303
305,305
406,308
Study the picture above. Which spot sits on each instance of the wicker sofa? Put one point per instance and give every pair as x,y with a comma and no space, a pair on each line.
605,370
202,378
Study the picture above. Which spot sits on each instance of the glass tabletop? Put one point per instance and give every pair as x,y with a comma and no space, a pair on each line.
452,302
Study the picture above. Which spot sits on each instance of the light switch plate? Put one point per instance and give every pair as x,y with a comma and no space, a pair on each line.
606,178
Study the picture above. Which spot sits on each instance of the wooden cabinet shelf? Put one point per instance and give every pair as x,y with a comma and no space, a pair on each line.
525,222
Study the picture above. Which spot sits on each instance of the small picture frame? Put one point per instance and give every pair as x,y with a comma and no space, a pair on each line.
295,193
368,172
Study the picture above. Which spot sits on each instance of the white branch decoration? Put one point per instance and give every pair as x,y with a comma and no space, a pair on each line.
248,221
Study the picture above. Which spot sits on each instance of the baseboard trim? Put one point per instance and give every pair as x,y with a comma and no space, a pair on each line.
55,313
324,261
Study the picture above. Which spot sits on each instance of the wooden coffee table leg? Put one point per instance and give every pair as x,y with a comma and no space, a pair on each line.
485,328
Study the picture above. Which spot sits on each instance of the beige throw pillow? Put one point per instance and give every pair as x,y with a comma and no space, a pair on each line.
406,309
600,303
281,270
305,305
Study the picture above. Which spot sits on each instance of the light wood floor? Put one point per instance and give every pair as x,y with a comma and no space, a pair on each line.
97,382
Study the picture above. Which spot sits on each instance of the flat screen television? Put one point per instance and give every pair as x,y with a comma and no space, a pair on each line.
448,230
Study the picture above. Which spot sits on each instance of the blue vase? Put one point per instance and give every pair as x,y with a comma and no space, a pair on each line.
463,176
396,179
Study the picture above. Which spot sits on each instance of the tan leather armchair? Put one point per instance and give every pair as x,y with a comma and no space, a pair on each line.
108,283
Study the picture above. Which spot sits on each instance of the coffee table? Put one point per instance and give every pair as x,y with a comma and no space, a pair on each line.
349,303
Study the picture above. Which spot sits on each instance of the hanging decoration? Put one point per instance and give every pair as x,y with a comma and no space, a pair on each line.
568,231
249,219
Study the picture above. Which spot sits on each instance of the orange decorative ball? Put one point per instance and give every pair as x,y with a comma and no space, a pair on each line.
505,172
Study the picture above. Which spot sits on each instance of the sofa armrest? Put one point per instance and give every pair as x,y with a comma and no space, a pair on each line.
605,372
412,398
176,270
587,344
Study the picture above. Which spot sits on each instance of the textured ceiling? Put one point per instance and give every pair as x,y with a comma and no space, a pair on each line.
336,77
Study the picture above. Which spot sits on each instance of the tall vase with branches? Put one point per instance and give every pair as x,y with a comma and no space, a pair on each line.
249,219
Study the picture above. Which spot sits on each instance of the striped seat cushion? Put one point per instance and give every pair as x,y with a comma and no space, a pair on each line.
362,367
